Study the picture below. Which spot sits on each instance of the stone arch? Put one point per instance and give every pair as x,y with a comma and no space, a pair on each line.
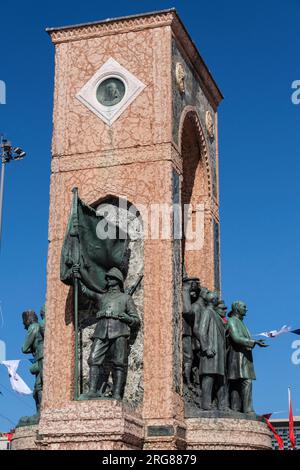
188,116
196,192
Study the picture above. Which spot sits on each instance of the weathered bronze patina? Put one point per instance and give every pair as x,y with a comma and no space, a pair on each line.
34,344
117,321
217,355
240,360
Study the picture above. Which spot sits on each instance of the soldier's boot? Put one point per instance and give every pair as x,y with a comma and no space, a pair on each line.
93,383
118,379
39,401
36,399
206,388
124,381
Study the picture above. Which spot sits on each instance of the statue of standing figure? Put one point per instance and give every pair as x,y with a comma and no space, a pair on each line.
193,306
218,350
191,291
117,320
34,344
211,335
240,369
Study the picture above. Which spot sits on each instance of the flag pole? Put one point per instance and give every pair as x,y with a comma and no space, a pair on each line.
76,335
76,258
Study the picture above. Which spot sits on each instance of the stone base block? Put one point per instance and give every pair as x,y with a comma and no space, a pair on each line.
25,438
91,425
165,436
227,434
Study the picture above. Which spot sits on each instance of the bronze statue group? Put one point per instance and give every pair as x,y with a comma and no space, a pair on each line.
217,352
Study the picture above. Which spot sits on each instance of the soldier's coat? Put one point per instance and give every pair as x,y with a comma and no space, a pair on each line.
110,305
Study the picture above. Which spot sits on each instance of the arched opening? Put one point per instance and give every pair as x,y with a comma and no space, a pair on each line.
195,193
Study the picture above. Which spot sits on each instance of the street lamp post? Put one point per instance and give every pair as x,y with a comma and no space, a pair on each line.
7,154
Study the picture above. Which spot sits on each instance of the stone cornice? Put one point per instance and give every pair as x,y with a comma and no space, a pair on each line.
140,22
111,26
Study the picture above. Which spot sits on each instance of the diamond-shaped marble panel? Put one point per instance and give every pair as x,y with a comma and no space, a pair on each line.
110,91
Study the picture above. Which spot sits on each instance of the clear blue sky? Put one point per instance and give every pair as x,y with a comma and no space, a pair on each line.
252,49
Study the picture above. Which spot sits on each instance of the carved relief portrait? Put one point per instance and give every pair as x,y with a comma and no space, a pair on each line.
180,77
209,122
111,91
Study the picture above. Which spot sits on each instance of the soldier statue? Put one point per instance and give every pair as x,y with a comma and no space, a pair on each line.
239,359
117,320
34,344
211,335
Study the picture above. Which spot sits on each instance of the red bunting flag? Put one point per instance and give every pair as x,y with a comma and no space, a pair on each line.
276,435
291,421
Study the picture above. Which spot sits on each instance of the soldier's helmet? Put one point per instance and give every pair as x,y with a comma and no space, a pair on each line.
116,274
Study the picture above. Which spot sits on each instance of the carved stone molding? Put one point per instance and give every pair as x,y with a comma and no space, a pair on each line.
110,26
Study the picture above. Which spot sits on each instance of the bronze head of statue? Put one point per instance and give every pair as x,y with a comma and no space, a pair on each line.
29,317
212,298
114,278
239,309
222,309
195,289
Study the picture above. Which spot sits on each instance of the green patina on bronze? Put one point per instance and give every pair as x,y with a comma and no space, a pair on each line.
240,360
217,355
118,321
110,91
94,260
83,246
34,344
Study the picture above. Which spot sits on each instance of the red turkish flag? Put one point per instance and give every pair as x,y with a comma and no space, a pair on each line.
276,435
291,422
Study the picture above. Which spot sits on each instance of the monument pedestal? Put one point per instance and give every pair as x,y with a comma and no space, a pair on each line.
227,434
91,425
25,438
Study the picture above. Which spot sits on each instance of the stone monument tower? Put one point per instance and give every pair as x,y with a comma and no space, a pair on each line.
135,120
